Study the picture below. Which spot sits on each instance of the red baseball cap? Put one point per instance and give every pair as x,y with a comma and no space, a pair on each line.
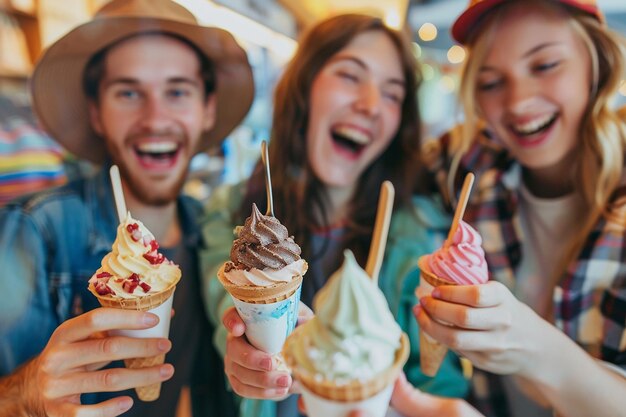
477,9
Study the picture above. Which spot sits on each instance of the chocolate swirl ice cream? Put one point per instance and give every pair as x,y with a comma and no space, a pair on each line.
263,243
263,253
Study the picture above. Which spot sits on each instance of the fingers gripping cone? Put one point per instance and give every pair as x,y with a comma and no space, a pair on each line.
432,353
159,303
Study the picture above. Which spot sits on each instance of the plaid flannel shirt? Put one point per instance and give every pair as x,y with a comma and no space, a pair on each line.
589,300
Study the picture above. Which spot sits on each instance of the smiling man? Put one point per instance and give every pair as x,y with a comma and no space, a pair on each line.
144,87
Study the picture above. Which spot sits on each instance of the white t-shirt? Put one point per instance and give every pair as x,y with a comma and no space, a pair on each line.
548,225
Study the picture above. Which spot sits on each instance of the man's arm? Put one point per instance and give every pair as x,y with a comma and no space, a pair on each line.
14,401
71,364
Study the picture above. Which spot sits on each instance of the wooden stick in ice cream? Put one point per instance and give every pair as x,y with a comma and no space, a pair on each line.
118,193
460,208
268,179
381,230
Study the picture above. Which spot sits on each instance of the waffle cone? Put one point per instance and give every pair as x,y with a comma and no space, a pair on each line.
148,392
432,352
353,391
144,303
261,295
429,277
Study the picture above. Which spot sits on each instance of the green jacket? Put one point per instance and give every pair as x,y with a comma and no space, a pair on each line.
410,236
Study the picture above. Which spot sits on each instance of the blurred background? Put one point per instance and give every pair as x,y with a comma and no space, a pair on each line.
268,30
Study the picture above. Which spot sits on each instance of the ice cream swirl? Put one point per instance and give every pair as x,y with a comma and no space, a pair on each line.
263,242
134,262
353,334
461,260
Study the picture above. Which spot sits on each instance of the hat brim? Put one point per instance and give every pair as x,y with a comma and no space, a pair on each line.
465,24
61,104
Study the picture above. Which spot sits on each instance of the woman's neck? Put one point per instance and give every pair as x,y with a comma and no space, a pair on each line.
550,182
339,201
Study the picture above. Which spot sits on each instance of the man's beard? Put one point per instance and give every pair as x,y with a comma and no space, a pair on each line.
145,195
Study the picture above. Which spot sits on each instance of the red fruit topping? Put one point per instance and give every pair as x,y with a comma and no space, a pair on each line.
145,287
103,289
155,259
129,286
136,235
104,275
134,231
133,277
153,245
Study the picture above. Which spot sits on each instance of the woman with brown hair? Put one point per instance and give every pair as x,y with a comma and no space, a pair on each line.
345,120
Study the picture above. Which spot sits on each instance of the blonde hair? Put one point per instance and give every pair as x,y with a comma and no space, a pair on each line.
599,163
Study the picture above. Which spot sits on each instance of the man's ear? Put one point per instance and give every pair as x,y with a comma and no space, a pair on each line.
210,112
94,117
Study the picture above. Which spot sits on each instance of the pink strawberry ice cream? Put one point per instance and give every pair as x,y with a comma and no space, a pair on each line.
460,261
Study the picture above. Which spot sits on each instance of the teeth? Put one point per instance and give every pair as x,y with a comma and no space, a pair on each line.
157,147
352,134
534,125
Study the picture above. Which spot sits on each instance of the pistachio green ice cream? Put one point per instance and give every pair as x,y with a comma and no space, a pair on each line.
353,334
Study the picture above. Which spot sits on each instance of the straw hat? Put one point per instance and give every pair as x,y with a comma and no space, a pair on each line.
477,9
58,96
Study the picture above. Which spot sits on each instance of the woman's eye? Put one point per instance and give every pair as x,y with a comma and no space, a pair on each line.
547,66
393,97
348,76
488,85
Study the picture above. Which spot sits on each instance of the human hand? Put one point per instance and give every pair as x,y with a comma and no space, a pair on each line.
70,364
251,372
486,324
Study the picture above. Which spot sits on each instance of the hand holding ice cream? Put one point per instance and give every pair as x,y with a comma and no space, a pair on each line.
135,276
460,261
263,277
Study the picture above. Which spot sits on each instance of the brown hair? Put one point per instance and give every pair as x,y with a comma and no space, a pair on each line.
94,70
298,194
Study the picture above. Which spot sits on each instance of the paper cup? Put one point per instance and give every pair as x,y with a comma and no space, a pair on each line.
268,325
316,406
162,329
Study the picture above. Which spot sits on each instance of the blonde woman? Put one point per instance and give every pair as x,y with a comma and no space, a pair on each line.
549,202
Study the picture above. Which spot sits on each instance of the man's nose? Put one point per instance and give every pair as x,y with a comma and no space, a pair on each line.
156,115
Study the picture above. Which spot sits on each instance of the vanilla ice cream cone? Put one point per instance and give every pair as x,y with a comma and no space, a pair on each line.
135,276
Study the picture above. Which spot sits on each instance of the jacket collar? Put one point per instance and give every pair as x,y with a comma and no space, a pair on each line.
103,222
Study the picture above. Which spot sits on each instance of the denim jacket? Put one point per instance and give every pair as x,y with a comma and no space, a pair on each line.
50,245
